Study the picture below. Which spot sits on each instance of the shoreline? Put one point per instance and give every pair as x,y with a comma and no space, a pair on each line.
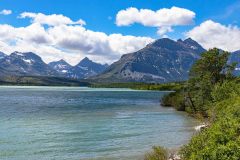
157,103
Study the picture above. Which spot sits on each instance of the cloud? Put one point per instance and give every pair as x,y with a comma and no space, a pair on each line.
162,30
163,18
78,38
51,20
5,12
212,34
62,40
34,33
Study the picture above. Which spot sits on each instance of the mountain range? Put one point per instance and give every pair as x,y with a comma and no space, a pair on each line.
163,60
84,69
30,64
2,55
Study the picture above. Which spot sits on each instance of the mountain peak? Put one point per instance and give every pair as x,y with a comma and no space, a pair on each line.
180,40
166,43
86,59
26,63
88,68
190,40
193,45
162,41
61,66
62,61
2,55
85,62
17,53
25,54
164,60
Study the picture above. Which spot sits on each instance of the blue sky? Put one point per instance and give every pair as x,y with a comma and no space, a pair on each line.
100,16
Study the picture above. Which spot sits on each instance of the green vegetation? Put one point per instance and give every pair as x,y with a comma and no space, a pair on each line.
158,153
222,139
175,99
40,81
141,86
212,93
195,97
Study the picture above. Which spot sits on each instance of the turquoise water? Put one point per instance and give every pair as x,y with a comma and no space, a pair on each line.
58,123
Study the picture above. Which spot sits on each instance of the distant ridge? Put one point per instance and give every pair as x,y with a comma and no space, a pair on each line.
164,60
84,69
30,64
2,55
60,66
27,63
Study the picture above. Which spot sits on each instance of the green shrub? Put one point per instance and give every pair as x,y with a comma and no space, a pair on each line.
225,90
158,153
221,141
174,99
213,92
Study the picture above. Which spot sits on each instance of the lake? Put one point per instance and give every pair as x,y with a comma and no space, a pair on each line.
58,123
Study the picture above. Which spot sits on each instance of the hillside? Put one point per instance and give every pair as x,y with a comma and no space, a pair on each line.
30,64
40,81
164,60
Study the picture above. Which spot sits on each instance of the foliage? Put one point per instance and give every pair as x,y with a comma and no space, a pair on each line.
225,90
213,92
141,86
175,99
212,67
197,94
40,81
158,153
221,141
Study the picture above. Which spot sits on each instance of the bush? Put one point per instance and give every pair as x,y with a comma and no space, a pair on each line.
158,153
222,140
174,99
225,90
213,92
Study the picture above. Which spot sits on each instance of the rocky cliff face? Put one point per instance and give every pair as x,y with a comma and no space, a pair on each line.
30,64
164,60
60,66
84,69
25,64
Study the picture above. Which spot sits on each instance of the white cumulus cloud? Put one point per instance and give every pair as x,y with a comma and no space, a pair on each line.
163,18
62,40
51,20
162,30
6,12
212,34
